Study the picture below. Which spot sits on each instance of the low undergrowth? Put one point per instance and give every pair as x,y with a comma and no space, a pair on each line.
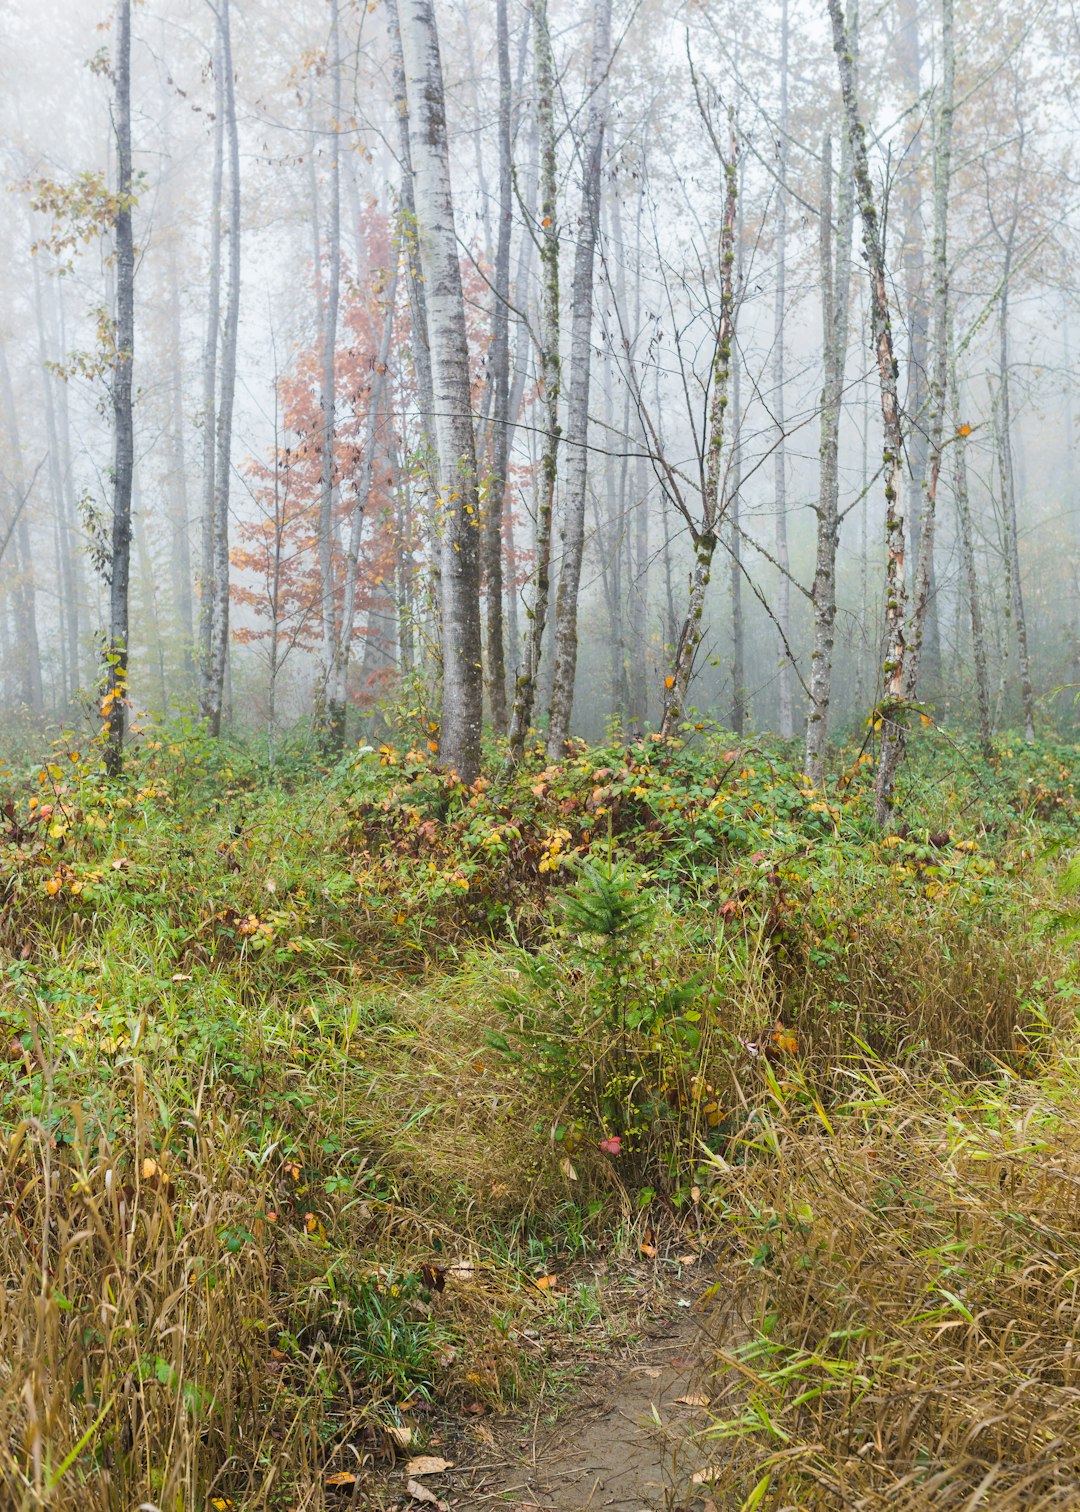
324,1093
904,1316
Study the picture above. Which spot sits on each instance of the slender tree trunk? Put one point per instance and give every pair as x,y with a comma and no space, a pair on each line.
421,344
25,600
572,535
739,710
550,383
180,542
500,400
735,579
967,556
463,678
69,602
79,611
376,401
938,396
331,715
114,702
1003,438
836,284
916,304
219,620
207,577
783,590
715,491
891,712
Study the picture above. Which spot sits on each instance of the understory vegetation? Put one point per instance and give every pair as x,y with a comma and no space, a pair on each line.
333,1100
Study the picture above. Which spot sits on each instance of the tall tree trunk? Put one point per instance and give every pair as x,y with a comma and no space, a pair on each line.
421,344
572,535
376,400
525,690
938,396
500,399
783,591
331,714
219,622
735,574
69,599
916,303
180,542
207,696
463,677
967,556
716,485
79,615
891,711
1003,440
114,702
17,529
836,284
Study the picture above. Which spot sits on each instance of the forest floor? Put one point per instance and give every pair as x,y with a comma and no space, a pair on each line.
350,1118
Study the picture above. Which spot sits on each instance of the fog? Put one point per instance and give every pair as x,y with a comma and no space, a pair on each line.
288,554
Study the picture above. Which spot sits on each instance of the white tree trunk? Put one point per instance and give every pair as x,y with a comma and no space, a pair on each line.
463,684
572,535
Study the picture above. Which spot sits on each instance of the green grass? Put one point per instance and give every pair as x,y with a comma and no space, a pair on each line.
306,1077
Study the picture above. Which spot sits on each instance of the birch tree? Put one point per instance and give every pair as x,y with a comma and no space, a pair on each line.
208,411
704,527
939,380
223,428
783,601
462,669
550,382
890,711
572,533
836,288
331,713
114,700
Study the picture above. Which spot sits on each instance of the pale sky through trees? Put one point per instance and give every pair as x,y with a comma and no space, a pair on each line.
288,568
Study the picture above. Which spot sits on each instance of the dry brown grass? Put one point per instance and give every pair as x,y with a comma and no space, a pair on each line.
190,1308
908,1294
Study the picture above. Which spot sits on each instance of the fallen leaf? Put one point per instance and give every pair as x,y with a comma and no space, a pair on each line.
687,1259
341,1478
421,1493
148,1168
703,1477
546,1283
401,1435
566,1166
692,1401
428,1464
784,1040
433,1277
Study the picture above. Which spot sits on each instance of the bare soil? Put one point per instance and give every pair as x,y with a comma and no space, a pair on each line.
630,1441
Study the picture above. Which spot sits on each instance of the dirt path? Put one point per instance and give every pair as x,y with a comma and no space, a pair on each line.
628,1444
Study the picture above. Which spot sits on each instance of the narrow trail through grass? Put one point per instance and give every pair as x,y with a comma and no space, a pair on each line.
354,1116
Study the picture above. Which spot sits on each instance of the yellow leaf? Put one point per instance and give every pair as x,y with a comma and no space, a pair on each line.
546,1283
963,430
669,682
148,1168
